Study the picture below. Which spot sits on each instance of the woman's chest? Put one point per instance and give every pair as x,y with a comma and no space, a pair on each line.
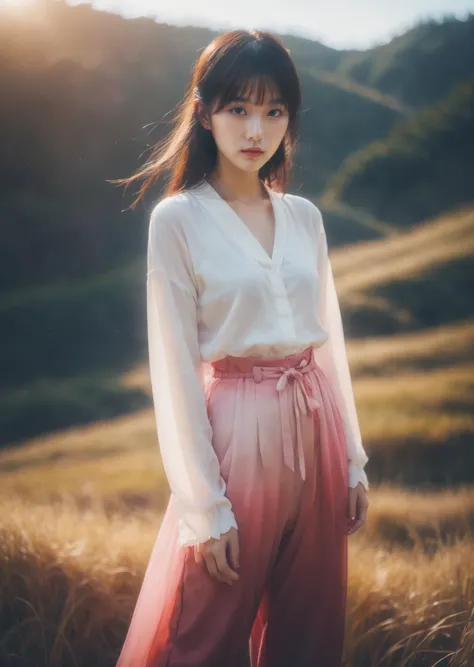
261,223
229,268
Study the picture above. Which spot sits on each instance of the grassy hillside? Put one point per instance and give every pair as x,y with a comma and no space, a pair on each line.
340,80
347,226
334,124
62,348
419,66
418,279
69,329
71,578
424,165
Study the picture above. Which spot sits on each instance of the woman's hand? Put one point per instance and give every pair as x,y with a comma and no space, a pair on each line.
357,507
214,554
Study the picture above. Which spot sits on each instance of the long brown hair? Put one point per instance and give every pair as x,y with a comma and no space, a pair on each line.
233,65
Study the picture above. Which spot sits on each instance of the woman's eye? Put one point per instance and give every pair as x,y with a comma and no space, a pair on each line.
275,113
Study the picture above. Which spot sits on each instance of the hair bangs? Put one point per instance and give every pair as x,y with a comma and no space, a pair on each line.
261,88
258,70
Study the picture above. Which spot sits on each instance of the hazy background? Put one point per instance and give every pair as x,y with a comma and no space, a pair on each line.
341,23
386,151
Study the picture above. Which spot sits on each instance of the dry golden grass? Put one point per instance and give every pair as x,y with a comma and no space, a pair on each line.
435,348
117,461
407,609
70,577
423,520
409,253
424,407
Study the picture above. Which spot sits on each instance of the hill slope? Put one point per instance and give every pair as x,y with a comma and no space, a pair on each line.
423,167
422,278
419,67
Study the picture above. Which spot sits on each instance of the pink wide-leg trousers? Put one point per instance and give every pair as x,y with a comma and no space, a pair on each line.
279,438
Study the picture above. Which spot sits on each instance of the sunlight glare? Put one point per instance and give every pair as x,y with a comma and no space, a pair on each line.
16,5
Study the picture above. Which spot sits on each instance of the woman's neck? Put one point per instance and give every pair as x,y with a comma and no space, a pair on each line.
235,185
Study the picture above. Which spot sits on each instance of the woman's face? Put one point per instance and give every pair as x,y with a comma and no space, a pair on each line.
242,124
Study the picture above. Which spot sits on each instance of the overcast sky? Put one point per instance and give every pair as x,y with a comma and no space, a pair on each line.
337,23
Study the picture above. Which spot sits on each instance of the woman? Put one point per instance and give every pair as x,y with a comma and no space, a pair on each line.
254,407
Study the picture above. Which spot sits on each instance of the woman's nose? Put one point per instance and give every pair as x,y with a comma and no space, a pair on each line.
254,127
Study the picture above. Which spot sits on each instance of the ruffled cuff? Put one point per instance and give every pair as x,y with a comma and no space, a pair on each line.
357,474
198,527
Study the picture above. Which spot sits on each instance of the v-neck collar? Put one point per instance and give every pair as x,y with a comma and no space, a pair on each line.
236,229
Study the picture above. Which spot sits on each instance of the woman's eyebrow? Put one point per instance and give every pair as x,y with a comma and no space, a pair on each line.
278,100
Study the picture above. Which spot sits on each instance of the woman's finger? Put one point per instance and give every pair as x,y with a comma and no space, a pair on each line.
198,557
352,503
229,575
234,550
359,521
212,568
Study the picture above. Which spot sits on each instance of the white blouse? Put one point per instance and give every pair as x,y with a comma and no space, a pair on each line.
213,290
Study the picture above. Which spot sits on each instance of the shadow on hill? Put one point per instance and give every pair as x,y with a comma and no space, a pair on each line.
417,464
440,296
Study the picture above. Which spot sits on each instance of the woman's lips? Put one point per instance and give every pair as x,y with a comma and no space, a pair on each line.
252,152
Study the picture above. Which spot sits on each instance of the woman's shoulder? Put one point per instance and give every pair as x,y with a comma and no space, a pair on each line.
171,214
304,208
170,206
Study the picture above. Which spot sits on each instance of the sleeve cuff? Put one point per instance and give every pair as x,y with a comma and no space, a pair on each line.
356,475
195,528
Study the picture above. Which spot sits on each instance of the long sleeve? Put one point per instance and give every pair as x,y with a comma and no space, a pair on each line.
183,427
332,356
